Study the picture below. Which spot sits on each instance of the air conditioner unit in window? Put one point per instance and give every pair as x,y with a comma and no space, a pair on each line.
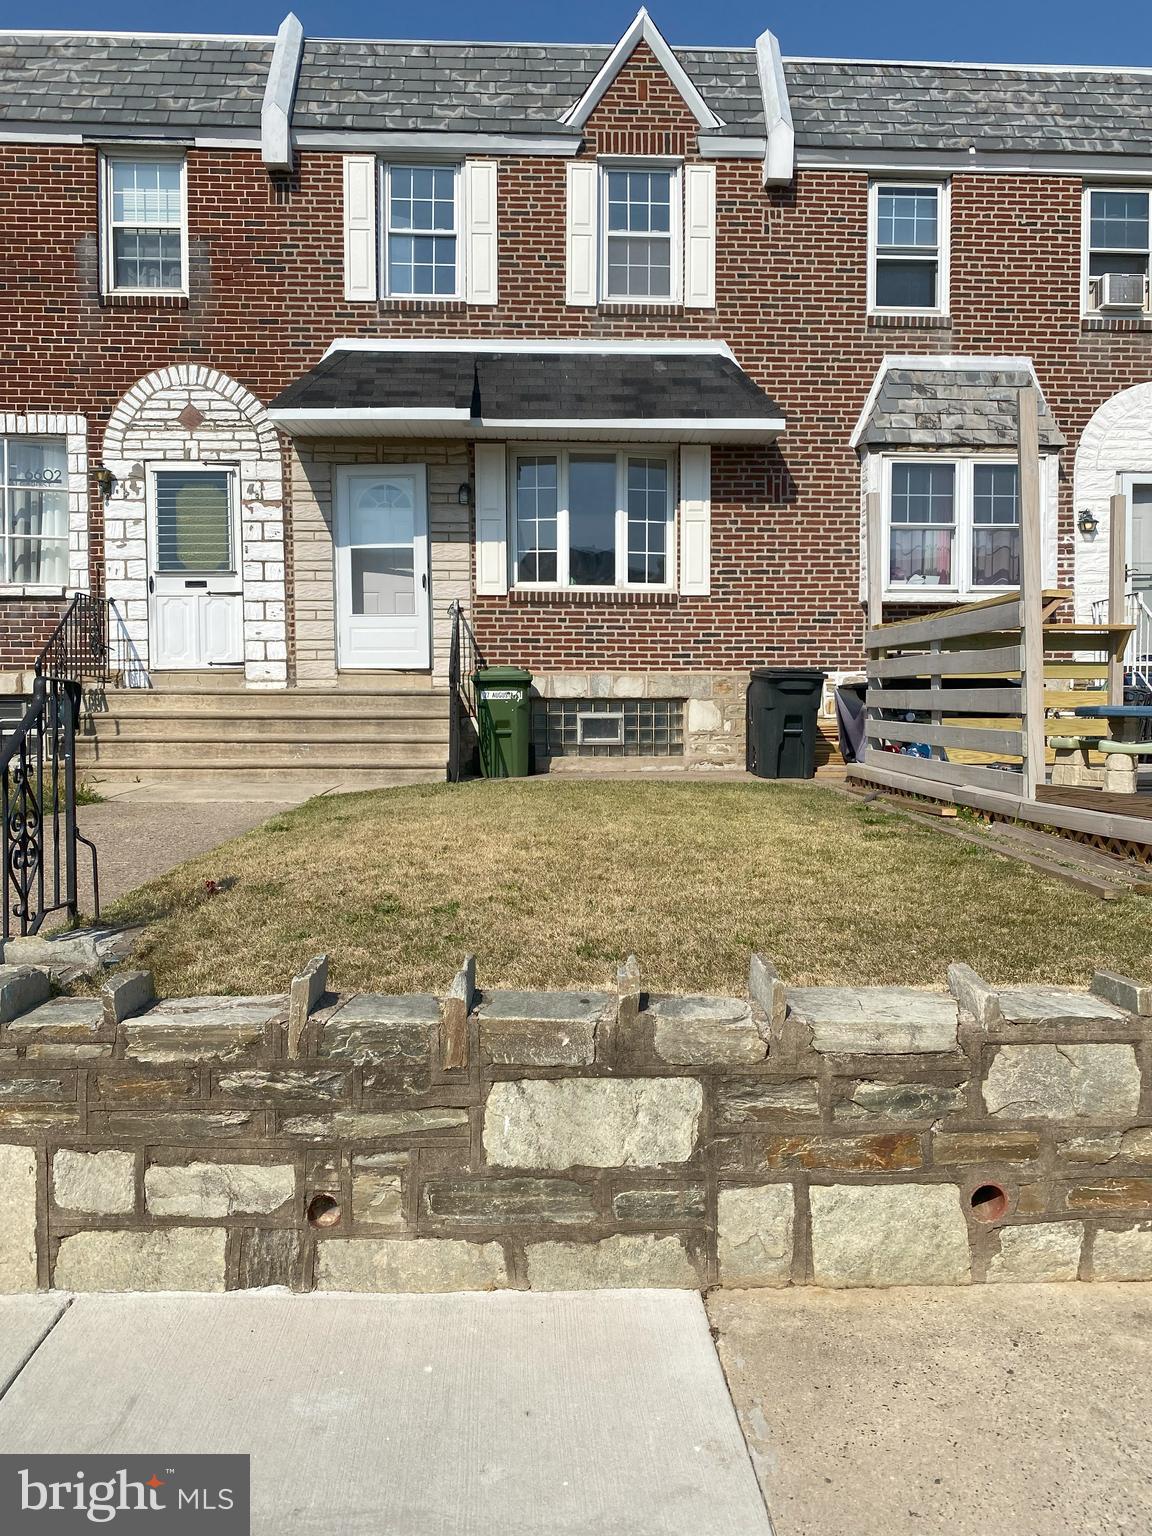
1119,290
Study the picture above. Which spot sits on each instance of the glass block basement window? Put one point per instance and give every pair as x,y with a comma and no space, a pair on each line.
609,727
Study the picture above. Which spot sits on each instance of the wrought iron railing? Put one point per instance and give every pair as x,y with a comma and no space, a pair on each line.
41,840
464,658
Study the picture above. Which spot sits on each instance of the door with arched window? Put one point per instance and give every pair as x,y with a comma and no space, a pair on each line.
382,567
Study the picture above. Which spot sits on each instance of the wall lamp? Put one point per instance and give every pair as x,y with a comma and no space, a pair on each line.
105,480
464,495
1087,523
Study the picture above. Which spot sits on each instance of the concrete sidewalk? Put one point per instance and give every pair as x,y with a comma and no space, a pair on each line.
523,1414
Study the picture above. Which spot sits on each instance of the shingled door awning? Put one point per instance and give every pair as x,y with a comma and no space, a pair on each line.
648,392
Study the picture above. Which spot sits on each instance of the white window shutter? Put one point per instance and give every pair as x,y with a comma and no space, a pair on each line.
491,519
700,236
359,226
695,521
583,184
480,284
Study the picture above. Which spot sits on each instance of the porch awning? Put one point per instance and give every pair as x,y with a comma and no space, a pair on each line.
630,392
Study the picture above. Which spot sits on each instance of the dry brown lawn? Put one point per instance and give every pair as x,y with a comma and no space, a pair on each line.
552,882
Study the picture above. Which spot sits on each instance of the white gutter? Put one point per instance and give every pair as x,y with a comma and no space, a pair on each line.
279,94
588,348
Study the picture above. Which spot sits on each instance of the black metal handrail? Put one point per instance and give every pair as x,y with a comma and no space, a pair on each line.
40,838
464,658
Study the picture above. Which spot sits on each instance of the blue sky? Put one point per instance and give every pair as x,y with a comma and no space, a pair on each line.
1039,31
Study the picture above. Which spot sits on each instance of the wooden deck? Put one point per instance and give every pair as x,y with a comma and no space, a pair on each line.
1139,804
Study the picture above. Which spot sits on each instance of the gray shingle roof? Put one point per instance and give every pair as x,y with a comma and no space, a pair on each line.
167,82
951,408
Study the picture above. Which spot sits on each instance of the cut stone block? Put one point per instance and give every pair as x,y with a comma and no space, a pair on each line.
38,1090
1123,1255
767,991
1123,992
282,1083
127,992
1048,1252
171,1126
65,1018
754,1235
378,1188
753,1101
1063,1082
499,1202
172,1259
17,1219
409,1264
707,1031
1104,1196
86,948
901,1101
543,1029
67,1050
985,1147
268,1256
672,1204
1052,1006
457,1006
876,1020
364,1125
890,1234
615,1263
202,1036
101,1183
980,1001
304,992
887,1152
217,1189
610,1123
1108,1147
392,1034
55,1117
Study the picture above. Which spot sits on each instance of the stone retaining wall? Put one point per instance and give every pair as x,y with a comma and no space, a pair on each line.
837,1137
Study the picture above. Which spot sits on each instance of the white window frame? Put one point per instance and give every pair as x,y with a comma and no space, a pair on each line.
146,152
562,453
64,487
1086,248
675,170
384,173
962,588
943,190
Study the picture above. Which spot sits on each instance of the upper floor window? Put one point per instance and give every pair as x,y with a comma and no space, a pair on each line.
421,231
34,489
592,519
1118,250
908,248
953,525
640,258
144,233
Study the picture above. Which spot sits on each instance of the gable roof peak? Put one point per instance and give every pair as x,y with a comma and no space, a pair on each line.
643,29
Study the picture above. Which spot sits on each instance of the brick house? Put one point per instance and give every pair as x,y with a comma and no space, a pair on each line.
308,339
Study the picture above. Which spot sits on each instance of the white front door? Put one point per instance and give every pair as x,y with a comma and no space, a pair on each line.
382,566
1140,538
194,582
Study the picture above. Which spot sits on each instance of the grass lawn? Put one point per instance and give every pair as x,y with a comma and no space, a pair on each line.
551,882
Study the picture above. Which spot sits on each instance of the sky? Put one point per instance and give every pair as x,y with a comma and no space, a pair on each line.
1008,31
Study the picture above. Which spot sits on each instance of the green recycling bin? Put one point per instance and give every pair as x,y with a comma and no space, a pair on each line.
504,709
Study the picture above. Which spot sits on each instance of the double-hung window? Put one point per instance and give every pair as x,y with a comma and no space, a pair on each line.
953,526
421,231
640,220
908,255
144,230
588,518
34,488
1118,250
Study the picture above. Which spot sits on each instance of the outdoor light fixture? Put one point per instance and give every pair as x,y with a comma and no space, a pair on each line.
464,495
1087,523
105,480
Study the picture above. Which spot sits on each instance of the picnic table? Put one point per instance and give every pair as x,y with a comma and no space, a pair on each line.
1124,746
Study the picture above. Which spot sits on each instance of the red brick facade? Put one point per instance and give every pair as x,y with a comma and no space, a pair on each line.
266,299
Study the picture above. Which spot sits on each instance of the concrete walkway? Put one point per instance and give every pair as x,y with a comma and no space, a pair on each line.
523,1414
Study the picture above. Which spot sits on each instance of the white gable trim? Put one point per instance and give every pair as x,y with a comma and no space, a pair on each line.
279,93
780,150
643,28
941,362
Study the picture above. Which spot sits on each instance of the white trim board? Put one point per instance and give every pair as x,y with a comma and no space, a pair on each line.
704,348
280,95
780,146
434,145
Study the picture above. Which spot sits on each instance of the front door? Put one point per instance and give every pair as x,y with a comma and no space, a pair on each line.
194,582
1140,538
382,566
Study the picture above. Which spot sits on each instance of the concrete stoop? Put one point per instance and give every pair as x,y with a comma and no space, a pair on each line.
576,1140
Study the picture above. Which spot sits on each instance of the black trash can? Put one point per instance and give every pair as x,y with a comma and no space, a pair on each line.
783,703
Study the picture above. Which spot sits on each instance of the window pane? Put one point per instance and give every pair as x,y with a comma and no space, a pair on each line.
39,513
422,198
640,202
921,556
37,461
639,268
1120,221
1117,261
906,285
382,512
923,493
422,264
647,520
40,562
994,494
996,557
146,258
383,582
907,217
193,520
536,519
592,521
145,191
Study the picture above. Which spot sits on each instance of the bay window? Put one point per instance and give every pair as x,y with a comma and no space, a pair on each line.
953,526
34,487
592,518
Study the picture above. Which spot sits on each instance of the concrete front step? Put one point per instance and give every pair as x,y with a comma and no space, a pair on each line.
210,726
405,703
175,752
231,680
349,776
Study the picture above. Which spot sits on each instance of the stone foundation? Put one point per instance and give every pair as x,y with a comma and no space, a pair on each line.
828,1136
